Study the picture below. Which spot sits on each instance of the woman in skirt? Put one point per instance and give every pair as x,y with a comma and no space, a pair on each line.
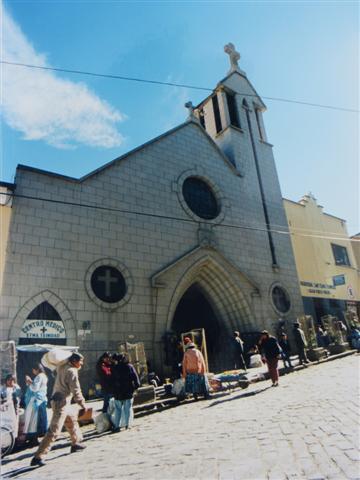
36,422
193,366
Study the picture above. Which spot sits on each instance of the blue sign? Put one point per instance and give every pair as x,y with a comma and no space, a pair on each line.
339,280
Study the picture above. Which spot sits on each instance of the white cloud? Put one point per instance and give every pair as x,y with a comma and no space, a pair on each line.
174,100
44,106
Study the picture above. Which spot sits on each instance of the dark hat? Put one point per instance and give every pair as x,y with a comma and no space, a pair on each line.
76,357
264,332
296,324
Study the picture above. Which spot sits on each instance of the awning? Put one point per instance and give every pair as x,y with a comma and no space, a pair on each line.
43,347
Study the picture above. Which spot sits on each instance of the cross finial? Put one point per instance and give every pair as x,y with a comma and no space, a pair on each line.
190,108
234,56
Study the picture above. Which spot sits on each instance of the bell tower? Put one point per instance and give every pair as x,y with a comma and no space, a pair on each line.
233,117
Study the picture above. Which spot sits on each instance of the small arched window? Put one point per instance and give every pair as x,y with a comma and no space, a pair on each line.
259,122
232,108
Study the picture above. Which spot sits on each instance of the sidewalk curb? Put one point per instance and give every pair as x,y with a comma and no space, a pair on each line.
172,402
285,371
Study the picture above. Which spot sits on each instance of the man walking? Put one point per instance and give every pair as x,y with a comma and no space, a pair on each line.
238,351
270,352
66,388
300,342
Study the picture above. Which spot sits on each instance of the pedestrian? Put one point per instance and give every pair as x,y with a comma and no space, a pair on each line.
10,394
66,389
285,350
125,382
355,338
103,370
301,343
193,369
35,417
320,337
270,350
238,351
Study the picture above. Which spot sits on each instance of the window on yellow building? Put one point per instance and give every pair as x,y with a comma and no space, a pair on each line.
340,255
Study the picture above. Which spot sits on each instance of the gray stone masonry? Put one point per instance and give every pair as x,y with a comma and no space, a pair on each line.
52,246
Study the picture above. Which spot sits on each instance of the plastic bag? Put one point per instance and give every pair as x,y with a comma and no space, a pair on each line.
55,357
102,423
255,361
178,388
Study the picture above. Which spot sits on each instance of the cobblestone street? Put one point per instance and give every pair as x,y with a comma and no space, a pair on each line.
308,428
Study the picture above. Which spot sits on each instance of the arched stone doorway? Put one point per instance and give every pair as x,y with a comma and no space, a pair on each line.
202,284
44,318
194,310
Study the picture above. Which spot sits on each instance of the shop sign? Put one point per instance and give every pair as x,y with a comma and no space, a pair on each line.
319,288
43,329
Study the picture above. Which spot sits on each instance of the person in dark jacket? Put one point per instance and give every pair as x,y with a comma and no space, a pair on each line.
270,352
285,350
103,370
238,351
301,343
125,382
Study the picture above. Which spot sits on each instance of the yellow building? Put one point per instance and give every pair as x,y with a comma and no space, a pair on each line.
6,190
355,242
326,263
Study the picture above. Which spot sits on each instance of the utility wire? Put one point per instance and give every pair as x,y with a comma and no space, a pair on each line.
170,217
173,84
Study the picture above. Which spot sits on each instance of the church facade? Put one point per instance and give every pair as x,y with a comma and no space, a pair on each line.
179,233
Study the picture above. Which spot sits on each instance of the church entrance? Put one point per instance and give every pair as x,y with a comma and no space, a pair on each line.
194,310
42,326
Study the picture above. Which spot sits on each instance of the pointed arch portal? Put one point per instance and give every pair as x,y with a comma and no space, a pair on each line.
202,289
195,310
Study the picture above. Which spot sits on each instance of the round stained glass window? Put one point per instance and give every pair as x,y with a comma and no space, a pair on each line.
108,284
200,198
280,299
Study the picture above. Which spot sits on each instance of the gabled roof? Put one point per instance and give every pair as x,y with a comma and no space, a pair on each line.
131,152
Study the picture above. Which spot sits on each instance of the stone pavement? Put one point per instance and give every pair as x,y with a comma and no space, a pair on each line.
307,428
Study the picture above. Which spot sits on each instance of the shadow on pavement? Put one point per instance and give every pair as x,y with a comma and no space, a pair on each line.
237,397
19,471
22,470
95,434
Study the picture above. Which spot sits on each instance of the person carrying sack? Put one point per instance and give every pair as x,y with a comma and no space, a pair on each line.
66,388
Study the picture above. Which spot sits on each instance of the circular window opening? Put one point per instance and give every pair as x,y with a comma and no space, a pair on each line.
108,284
200,198
281,299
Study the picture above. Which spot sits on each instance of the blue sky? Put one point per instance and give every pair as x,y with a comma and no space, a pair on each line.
72,124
